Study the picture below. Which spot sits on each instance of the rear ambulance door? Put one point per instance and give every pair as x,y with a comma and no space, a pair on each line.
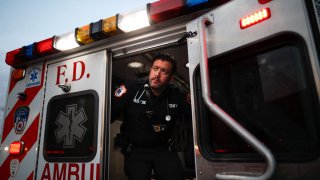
71,140
256,88
21,124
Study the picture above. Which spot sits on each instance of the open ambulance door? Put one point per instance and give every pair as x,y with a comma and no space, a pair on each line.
255,86
132,58
72,130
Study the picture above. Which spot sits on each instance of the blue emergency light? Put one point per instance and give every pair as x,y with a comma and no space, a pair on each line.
191,3
28,51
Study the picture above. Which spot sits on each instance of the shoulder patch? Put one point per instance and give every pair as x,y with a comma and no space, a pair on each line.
120,91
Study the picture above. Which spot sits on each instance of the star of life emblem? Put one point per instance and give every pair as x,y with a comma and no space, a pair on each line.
34,77
70,126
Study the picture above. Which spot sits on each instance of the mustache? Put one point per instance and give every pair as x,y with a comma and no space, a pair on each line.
155,78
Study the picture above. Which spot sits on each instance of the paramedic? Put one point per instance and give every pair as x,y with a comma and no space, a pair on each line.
150,111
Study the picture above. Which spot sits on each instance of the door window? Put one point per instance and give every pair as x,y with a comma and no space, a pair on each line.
269,90
71,127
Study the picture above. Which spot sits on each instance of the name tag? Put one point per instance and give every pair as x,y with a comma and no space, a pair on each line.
139,101
173,105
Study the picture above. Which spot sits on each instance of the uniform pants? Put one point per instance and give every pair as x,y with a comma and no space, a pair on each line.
138,165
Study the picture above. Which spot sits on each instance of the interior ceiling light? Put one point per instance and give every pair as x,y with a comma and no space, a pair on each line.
135,64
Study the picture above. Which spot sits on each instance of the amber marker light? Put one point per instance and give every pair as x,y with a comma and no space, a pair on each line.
83,35
18,74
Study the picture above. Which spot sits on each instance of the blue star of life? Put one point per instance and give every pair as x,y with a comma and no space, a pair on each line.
34,79
34,76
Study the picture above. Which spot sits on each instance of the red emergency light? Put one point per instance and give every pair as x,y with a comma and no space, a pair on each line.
16,148
163,10
11,57
255,18
264,1
45,46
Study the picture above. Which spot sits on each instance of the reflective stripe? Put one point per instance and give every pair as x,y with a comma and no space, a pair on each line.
26,162
31,94
30,138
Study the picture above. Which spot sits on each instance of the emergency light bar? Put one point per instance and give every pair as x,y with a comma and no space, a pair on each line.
150,14
134,20
11,57
65,42
191,3
45,46
104,28
83,35
264,1
28,51
110,26
255,18
160,11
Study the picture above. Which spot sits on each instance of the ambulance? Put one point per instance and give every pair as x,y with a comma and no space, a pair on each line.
252,68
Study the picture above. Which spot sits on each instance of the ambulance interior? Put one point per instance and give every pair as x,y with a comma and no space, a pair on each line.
136,67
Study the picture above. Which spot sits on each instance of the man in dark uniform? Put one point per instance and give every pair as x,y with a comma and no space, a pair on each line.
150,111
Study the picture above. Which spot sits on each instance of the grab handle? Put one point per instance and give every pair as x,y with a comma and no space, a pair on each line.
227,119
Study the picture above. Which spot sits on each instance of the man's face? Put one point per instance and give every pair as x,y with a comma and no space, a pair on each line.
160,74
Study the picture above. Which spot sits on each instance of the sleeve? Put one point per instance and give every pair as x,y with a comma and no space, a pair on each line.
119,100
186,105
187,116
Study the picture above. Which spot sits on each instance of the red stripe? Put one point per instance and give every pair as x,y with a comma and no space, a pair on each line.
98,172
9,120
30,177
29,138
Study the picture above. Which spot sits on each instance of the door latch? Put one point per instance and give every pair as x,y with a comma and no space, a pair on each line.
65,87
187,35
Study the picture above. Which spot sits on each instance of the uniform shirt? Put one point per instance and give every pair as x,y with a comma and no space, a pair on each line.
138,123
